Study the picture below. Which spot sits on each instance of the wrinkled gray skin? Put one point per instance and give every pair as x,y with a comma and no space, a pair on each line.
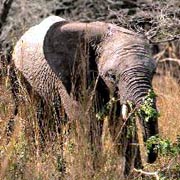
47,55
28,58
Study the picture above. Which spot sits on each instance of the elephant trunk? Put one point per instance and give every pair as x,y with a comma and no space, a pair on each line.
134,85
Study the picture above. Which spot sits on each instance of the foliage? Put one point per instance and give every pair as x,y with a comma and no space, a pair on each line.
105,110
147,109
164,147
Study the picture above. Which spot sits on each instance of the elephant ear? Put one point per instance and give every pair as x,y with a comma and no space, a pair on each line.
169,67
65,43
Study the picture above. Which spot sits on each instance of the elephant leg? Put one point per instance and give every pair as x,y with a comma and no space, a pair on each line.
58,114
45,123
138,161
132,153
95,134
41,120
50,118
96,125
50,121
124,135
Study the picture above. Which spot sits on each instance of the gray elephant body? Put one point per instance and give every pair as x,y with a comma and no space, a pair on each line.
28,57
123,59
117,51
61,56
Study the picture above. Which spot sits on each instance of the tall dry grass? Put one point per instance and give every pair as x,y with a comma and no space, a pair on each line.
69,155
168,102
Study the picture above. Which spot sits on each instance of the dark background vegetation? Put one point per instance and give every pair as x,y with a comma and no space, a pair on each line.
158,20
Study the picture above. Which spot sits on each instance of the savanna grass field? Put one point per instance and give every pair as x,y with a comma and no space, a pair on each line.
62,150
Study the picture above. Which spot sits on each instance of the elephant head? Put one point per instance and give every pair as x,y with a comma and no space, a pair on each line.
125,61
122,57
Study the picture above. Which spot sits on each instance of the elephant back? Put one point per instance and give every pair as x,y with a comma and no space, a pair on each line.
29,59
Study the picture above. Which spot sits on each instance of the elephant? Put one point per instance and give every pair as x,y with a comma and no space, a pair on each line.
64,57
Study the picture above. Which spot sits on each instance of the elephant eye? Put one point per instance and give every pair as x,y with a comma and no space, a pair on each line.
110,75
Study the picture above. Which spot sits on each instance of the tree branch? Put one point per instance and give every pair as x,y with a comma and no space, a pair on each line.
155,174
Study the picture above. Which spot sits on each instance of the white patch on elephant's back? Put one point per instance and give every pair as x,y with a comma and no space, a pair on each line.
32,42
29,58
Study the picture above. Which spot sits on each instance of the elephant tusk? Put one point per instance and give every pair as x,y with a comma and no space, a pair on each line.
124,111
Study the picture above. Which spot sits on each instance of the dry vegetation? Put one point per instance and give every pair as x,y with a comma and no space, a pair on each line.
168,92
68,155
